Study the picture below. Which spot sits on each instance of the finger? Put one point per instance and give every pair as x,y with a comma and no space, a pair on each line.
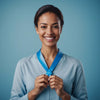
43,85
55,77
56,86
56,81
43,76
52,83
53,86
43,80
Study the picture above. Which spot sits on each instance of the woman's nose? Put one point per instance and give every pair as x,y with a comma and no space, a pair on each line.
49,30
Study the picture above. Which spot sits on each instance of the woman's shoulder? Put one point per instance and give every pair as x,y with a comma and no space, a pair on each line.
72,60
26,59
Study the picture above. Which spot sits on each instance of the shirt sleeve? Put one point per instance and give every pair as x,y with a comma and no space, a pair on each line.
19,91
79,91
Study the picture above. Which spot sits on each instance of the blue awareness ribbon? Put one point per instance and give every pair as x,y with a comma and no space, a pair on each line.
49,71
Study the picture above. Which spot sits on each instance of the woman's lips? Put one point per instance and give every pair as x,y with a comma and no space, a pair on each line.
49,38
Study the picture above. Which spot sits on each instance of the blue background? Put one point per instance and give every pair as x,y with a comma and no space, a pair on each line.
80,38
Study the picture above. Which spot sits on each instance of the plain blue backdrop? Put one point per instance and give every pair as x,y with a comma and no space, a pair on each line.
80,38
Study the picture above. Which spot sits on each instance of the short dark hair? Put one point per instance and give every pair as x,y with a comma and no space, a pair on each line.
48,8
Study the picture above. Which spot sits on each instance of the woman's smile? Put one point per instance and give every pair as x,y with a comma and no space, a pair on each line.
49,39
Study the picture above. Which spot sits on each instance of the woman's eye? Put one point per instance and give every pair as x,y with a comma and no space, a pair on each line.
55,26
43,26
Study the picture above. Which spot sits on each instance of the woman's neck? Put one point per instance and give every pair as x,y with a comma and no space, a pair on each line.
49,52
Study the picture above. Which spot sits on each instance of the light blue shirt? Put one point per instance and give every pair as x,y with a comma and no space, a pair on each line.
68,69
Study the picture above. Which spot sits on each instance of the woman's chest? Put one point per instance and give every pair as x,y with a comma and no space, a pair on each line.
67,77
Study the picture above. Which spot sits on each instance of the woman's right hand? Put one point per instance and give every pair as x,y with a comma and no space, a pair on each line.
41,82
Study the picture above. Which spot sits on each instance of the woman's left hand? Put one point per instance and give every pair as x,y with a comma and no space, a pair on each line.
56,83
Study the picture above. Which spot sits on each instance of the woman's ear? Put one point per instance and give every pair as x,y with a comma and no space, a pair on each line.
60,30
36,28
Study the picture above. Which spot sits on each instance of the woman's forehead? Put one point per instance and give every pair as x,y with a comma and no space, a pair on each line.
48,18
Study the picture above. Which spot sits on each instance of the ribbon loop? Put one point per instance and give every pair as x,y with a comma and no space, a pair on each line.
49,71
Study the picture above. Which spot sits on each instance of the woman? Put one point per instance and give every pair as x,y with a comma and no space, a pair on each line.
49,74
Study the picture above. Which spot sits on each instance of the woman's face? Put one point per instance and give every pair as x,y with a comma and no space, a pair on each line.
49,29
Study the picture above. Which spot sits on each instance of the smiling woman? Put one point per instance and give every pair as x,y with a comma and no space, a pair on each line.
49,29
49,74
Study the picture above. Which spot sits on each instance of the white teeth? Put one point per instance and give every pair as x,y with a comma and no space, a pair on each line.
49,38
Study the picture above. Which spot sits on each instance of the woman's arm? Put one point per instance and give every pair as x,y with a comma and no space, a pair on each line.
65,96
18,91
79,91
57,83
41,82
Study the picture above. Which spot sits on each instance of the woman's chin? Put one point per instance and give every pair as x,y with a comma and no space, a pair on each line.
50,44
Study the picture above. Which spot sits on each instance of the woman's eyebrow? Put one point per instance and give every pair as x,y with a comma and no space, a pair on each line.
54,23
44,23
47,24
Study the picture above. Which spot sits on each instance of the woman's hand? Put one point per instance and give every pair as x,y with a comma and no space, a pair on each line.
41,82
57,83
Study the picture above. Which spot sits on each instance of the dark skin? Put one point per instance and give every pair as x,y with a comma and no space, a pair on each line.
54,82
